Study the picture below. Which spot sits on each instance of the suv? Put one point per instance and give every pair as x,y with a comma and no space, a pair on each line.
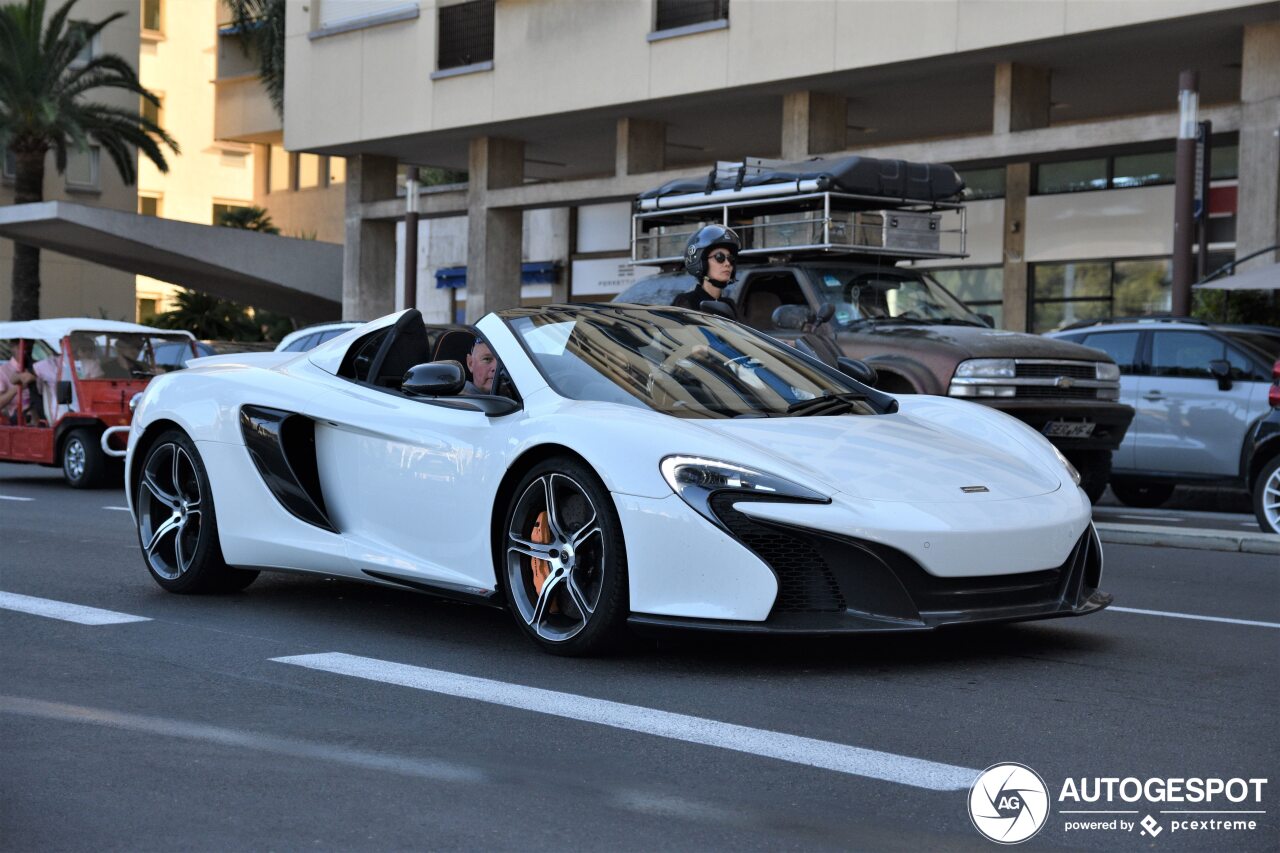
827,235
1198,390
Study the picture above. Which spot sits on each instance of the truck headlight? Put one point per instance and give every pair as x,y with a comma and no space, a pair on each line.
696,480
1108,372
986,368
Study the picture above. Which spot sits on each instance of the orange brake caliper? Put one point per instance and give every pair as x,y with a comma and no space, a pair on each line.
541,568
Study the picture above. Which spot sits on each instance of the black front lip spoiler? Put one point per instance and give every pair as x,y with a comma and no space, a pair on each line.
812,625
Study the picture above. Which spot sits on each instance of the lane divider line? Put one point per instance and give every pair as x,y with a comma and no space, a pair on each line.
14,498
827,755
78,613
440,771
1194,616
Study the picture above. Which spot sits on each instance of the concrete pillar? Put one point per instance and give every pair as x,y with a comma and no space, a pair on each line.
642,146
1017,186
1258,211
494,235
1021,98
369,259
813,123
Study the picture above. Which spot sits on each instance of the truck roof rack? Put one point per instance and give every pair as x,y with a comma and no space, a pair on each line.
848,205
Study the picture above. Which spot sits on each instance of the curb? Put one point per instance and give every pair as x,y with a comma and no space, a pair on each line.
1188,537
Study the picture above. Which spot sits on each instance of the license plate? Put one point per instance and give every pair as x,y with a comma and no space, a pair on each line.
1069,429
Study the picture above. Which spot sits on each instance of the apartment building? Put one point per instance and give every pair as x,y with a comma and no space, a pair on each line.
1062,115
74,286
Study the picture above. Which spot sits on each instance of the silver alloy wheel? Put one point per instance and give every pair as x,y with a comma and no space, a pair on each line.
1271,500
169,510
575,557
73,461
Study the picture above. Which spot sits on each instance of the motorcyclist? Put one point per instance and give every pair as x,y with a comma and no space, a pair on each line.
711,257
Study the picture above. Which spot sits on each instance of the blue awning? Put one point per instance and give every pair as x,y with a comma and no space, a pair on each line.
537,272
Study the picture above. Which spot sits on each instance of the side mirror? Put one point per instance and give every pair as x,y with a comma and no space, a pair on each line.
719,308
434,379
64,392
791,317
988,319
859,370
1221,370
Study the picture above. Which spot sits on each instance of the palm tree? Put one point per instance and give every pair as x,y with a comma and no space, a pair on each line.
261,27
42,108
251,218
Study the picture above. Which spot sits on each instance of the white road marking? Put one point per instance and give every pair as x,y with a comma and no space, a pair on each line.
827,755
77,613
120,508
14,498
1195,616
435,770
1165,518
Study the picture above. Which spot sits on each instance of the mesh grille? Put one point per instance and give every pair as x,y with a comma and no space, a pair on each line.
1048,371
682,13
466,34
805,581
1057,393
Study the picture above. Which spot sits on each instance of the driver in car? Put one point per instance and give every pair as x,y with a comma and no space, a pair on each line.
482,364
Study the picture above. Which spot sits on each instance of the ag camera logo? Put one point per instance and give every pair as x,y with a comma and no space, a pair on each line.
1009,803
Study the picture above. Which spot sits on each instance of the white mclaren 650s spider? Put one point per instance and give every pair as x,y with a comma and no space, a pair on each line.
632,467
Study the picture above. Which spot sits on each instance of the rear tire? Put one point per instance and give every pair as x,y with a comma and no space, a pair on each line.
562,560
1147,495
1266,496
84,465
177,527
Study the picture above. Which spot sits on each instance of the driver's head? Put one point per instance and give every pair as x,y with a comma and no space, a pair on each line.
128,347
482,364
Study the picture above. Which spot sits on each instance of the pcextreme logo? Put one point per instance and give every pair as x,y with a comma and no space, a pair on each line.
1009,803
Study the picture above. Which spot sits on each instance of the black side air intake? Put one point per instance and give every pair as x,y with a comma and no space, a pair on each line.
283,447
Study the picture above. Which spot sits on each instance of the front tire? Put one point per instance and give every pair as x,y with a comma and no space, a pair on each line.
563,561
1266,496
1147,495
177,528
84,465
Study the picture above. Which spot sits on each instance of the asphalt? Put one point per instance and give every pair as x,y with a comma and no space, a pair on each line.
184,732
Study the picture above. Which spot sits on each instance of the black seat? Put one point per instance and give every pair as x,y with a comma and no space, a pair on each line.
455,345
406,345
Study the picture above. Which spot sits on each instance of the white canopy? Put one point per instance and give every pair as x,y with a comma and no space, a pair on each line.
53,330
1260,278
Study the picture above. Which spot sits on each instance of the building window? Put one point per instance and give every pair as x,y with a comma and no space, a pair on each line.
147,310
1224,162
9,165
1071,176
308,171
983,183
674,14
280,170
1140,170
152,112
221,210
981,288
82,168
465,34
337,170
149,205
1067,293
92,47
152,16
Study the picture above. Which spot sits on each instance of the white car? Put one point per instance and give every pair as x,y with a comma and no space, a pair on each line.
651,467
310,337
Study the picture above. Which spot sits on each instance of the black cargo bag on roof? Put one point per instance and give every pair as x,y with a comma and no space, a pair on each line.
897,179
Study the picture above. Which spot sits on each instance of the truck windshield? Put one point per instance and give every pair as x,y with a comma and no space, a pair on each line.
869,295
121,356
686,364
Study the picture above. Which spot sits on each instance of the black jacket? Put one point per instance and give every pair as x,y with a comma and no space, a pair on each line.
694,299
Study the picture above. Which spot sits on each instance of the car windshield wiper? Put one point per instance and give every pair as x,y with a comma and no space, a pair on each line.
827,404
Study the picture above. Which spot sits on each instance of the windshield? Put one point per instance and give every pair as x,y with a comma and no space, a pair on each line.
864,295
686,364
125,356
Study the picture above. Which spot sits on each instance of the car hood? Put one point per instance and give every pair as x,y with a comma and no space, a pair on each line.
896,457
974,342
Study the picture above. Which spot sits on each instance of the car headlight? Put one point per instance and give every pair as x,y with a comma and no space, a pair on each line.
1066,463
986,368
1108,372
696,480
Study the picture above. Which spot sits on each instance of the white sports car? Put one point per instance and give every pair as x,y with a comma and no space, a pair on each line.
651,467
